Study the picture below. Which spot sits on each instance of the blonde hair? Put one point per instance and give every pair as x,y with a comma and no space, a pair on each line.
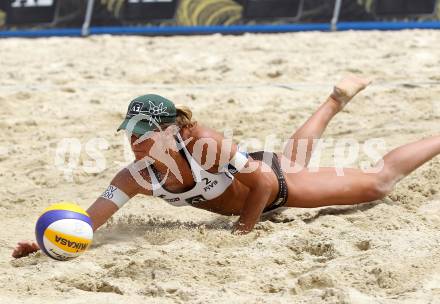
184,116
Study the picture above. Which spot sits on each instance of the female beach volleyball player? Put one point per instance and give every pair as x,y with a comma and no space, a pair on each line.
237,183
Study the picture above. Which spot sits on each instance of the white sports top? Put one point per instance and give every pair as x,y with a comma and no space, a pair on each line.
207,185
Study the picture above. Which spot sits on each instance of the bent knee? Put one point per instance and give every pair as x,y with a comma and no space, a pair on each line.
378,188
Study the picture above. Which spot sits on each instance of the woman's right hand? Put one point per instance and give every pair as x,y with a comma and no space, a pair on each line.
24,248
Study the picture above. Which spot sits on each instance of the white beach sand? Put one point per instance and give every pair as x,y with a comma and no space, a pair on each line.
387,251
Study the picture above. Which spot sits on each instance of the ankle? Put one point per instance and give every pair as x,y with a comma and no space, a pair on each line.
334,103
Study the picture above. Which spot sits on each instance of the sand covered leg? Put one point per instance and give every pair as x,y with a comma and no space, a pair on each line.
300,147
347,88
325,187
403,160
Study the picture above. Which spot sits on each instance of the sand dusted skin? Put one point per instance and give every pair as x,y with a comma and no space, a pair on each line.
387,251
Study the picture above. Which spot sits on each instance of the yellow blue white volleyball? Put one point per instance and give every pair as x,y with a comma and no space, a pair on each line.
64,231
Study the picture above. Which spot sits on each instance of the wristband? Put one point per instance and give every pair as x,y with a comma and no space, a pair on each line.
116,195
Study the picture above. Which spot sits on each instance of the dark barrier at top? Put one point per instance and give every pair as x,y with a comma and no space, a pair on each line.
404,7
270,8
26,14
141,10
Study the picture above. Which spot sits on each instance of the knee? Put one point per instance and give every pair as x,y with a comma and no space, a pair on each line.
378,188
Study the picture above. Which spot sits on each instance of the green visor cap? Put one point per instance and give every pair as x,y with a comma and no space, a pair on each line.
157,110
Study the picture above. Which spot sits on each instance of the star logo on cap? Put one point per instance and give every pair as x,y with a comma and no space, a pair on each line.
155,112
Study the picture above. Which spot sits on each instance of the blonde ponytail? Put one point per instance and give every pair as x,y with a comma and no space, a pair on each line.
183,118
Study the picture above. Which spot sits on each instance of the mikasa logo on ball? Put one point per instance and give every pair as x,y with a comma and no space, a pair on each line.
74,245
67,242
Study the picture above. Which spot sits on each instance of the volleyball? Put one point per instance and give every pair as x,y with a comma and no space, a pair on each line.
64,231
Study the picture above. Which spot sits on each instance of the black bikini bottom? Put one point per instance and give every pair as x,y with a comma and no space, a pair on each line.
271,160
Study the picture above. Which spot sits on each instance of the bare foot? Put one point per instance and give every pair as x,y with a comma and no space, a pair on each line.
347,88
24,248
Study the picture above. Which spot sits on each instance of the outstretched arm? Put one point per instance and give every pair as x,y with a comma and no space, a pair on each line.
104,207
100,211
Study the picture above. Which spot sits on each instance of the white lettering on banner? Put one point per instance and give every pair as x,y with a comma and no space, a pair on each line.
31,3
148,1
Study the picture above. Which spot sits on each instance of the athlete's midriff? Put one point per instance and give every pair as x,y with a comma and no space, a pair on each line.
231,202
231,194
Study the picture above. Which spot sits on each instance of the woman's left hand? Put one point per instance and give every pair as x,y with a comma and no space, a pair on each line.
239,229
